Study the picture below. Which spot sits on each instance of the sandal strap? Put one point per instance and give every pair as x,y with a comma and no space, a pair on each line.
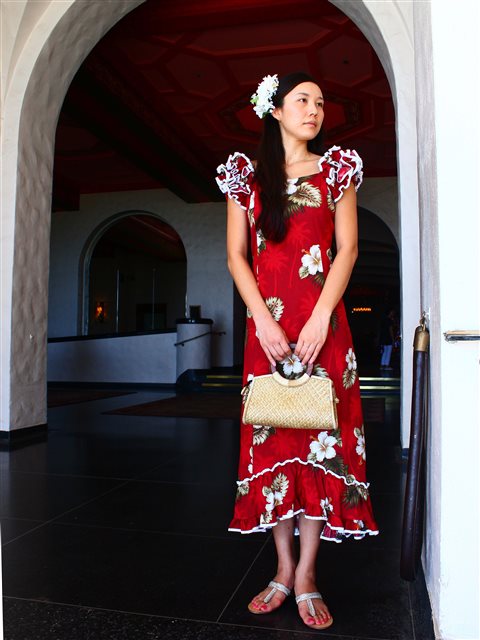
309,597
276,586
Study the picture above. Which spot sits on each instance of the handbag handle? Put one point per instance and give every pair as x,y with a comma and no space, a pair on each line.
290,383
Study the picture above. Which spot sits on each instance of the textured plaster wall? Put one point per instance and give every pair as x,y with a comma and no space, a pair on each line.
450,271
427,175
18,17
45,44
202,228
388,26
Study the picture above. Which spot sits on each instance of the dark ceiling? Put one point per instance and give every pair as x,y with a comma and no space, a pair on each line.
164,96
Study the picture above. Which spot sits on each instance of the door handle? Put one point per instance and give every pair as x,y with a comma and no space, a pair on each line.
462,336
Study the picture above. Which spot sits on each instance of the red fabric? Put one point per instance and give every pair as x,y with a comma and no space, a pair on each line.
282,472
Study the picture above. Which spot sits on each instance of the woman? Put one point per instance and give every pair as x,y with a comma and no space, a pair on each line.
288,208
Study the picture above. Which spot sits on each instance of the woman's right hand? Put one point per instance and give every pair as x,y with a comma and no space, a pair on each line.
272,338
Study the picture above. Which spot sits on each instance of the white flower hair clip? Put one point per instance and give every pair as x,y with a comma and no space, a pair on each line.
262,99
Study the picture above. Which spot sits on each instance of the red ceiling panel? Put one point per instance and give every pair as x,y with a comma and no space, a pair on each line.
345,61
164,97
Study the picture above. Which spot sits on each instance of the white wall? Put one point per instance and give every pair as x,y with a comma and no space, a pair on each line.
380,196
128,359
446,46
388,26
202,228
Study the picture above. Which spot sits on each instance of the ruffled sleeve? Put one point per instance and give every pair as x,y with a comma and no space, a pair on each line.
343,167
235,178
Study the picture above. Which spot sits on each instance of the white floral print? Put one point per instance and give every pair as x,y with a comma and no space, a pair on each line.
326,505
251,208
312,262
351,359
323,447
261,242
242,490
360,448
274,495
292,365
350,373
292,186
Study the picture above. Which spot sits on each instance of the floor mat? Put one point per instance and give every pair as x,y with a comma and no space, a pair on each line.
221,405
60,397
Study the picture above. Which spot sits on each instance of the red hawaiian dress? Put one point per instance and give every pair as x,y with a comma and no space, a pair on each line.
285,472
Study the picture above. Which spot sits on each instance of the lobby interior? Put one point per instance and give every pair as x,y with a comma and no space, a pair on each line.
114,525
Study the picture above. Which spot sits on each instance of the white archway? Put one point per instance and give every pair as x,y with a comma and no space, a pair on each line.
49,42
386,26
56,41
87,253
59,41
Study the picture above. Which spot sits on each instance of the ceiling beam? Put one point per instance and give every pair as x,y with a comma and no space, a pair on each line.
110,120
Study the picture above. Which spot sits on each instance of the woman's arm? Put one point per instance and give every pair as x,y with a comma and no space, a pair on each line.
314,333
272,338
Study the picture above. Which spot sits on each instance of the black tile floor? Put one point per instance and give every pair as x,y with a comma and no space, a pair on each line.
115,527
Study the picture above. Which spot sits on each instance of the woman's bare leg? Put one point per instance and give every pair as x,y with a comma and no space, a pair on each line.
284,544
305,573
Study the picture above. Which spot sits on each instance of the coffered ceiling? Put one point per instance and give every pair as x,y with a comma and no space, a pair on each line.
164,96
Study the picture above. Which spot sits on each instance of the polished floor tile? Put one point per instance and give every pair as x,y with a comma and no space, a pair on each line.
83,455
170,575
42,497
13,528
59,622
115,527
165,507
361,586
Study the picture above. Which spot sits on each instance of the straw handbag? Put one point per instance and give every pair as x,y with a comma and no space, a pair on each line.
309,402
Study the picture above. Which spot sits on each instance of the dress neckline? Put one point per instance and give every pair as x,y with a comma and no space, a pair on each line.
319,163
309,175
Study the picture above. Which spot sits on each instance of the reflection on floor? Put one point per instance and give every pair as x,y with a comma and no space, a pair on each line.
114,528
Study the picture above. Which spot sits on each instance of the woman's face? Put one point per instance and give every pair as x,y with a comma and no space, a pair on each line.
301,114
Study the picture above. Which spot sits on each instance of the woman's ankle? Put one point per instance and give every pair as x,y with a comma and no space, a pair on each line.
305,574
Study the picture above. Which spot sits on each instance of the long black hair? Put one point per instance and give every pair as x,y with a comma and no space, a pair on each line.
270,168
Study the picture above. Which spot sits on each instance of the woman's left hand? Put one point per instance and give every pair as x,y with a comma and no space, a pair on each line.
311,339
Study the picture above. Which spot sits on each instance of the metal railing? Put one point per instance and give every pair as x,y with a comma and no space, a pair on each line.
182,343
414,504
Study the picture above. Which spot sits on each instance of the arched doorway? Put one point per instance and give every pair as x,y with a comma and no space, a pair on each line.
40,65
134,274
374,288
43,94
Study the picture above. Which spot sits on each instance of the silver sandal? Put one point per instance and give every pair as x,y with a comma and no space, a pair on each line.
308,597
276,586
